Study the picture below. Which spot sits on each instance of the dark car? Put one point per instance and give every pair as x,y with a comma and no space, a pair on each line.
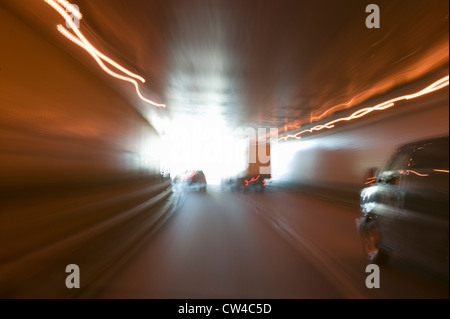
252,183
243,184
405,207
196,180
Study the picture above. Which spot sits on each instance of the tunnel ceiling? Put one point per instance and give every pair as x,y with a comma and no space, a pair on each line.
263,63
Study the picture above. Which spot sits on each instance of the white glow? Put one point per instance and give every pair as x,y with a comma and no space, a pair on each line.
203,143
283,153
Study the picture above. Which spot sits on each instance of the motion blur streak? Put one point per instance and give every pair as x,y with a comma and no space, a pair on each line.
66,33
86,42
437,85
97,55
370,180
334,108
414,172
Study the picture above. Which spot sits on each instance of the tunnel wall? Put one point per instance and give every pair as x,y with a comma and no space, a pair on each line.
337,160
80,181
57,120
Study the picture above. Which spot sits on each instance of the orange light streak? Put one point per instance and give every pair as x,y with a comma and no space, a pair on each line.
437,85
441,170
80,35
67,34
81,41
406,172
370,180
316,118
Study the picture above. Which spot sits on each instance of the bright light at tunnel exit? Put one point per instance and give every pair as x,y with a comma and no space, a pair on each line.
203,143
61,6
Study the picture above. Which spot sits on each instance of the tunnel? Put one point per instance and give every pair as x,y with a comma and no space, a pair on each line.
112,112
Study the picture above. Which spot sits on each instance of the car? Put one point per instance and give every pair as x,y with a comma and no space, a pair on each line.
254,183
196,180
244,184
404,207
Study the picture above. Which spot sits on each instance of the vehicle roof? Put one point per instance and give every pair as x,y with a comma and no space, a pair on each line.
440,139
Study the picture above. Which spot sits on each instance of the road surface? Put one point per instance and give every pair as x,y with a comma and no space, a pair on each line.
278,244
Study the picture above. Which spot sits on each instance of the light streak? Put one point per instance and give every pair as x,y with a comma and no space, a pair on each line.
98,56
316,118
406,172
370,180
437,85
67,34
83,39
441,170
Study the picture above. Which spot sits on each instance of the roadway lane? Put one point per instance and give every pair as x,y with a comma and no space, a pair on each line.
273,245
